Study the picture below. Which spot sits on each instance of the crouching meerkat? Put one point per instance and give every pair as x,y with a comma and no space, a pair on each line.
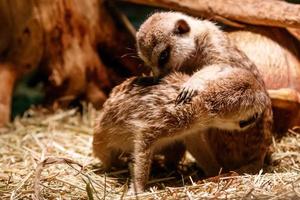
172,41
141,119
226,122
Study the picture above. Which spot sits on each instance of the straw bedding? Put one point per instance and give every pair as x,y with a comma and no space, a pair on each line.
46,155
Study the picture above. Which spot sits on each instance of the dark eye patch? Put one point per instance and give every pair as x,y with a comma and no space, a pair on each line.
164,56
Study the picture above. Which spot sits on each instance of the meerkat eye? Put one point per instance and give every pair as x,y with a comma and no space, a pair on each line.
181,27
164,56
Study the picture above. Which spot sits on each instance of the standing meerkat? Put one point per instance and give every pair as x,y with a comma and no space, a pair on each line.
172,41
228,95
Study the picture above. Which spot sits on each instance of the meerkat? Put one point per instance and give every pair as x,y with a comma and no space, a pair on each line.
172,41
226,94
141,119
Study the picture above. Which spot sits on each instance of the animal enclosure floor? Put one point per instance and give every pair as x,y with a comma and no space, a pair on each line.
49,156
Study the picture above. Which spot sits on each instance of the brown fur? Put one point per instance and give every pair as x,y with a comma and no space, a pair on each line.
143,119
227,89
276,54
212,46
203,46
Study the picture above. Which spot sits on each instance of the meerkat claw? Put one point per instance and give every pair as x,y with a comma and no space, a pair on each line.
185,96
179,98
189,96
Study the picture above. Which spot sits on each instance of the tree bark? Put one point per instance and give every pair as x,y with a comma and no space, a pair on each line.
77,45
269,13
295,32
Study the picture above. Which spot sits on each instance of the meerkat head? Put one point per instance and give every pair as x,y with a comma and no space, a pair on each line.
167,39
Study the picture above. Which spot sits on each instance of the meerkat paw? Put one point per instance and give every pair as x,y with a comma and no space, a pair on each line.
189,90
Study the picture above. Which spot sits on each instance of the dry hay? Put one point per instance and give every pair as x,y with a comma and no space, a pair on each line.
50,155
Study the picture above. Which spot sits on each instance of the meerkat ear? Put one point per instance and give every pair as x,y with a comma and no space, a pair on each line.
181,27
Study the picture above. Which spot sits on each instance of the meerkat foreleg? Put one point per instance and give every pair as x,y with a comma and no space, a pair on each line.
226,84
199,80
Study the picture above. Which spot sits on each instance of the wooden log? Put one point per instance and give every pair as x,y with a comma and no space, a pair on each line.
77,44
269,13
20,48
294,32
73,39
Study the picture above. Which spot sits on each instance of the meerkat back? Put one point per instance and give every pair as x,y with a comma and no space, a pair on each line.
273,51
277,57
